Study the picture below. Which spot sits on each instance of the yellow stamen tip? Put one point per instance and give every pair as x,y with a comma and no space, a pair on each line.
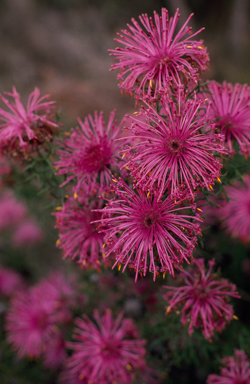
58,208
235,317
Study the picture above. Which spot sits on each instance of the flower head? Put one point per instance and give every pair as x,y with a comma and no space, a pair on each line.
28,233
107,352
203,297
78,236
29,323
230,108
236,370
23,129
90,152
153,58
148,233
174,150
10,282
236,211
12,210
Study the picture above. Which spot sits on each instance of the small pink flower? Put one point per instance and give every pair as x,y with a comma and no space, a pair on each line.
107,352
12,210
10,282
230,109
236,211
154,59
174,149
60,292
78,236
236,370
148,233
90,152
23,129
29,323
203,298
27,233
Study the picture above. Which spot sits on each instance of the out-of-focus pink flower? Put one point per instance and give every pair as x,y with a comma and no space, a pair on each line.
12,211
90,152
27,233
10,282
173,150
55,351
29,323
107,352
154,59
236,211
22,129
230,109
78,236
60,292
236,370
203,298
147,233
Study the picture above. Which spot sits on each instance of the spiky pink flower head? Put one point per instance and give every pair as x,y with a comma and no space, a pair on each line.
23,129
78,236
90,152
230,109
12,210
155,57
148,233
29,323
236,370
175,149
61,292
10,282
236,211
203,298
28,233
107,352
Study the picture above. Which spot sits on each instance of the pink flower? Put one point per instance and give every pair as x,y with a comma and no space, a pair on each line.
12,210
27,233
203,298
106,353
10,282
61,292
78,236
90,152
175,150
23,129
236,370
230,108
29,323
147,233
236,211
153,59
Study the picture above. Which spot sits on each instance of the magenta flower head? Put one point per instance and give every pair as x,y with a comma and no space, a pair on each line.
230,109
155,57
174,148
236,370
90,152
148,233
12,211
236,211
107,352
22,130
29,323
28,233
10,282
202,298
78,236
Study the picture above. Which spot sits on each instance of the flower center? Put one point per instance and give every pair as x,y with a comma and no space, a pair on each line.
174,146
150,219
96,158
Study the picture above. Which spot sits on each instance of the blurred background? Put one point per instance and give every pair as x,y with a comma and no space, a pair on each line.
61,47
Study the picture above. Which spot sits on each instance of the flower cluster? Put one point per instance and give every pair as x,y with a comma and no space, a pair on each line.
203,299
236,370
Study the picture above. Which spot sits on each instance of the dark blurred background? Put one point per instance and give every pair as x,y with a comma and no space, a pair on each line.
61,47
